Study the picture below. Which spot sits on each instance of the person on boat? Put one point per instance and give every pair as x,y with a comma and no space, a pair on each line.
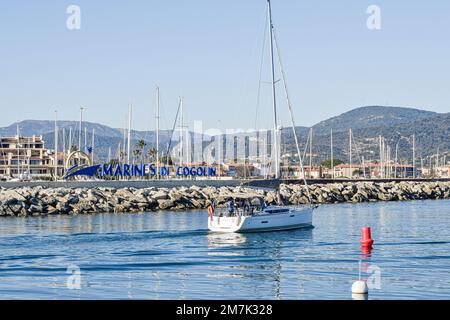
247,207
262,203
279,199
230,206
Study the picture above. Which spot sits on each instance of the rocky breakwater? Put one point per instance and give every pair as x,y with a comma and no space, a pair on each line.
366,192
39,201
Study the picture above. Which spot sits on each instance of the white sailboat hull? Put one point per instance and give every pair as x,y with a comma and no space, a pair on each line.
294,218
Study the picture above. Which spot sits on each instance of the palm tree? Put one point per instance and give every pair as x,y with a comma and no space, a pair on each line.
123,155
152,154
137,153
140,145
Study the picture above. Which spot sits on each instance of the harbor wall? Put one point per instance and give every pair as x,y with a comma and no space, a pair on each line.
117,184
89,198
143,184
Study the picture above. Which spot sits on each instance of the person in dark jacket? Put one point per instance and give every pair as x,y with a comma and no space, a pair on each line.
230,206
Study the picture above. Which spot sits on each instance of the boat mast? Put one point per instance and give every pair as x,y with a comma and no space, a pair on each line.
414,156
274,98
310,151
332,155
85,140
80,131
56,145
93,145
381,159
350,153
64,146
18,151
181,132
124,143
157,131
219,151
129,134
70,141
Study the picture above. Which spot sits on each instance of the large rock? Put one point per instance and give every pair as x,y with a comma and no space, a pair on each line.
165,204
160,195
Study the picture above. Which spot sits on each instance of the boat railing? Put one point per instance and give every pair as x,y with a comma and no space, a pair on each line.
249,211
238,212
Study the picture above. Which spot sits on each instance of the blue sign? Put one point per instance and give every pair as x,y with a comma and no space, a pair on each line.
138,170
77,170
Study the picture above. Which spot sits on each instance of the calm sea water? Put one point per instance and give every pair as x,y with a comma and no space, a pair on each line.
173,256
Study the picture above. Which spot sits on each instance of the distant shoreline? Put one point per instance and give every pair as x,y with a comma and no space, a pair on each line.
42,200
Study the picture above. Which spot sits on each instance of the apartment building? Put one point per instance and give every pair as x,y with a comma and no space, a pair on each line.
26,156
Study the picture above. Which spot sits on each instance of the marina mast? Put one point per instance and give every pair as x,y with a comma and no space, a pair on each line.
56,145
70,141
93,144
332,161
310,151
80,131
274,98
18,150
381,158
181,133
129,134
414,155
350,154
64,146
85,140
219,149
124,143
157,131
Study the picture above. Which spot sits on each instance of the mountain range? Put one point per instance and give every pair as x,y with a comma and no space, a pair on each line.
396,125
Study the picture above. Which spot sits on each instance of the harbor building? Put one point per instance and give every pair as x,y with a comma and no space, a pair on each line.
374,170
27,157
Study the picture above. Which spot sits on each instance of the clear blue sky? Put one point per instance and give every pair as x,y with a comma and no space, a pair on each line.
209,52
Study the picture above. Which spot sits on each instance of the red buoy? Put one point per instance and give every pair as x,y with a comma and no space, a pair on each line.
366,241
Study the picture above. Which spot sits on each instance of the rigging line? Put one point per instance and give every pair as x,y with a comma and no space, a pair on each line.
147,133
355,143
358,153
173,129
258,102
291,113
162,119
306,144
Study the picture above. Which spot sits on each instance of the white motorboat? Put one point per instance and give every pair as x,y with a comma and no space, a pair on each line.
271,218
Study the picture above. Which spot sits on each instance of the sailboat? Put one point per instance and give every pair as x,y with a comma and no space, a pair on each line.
260,218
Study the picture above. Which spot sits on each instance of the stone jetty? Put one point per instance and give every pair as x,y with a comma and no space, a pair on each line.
39,201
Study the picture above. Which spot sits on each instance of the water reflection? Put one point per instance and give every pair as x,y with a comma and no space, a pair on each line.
223,240
356,296
173,256
272,250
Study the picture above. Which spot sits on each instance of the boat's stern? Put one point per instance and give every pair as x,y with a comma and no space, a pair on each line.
226,224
